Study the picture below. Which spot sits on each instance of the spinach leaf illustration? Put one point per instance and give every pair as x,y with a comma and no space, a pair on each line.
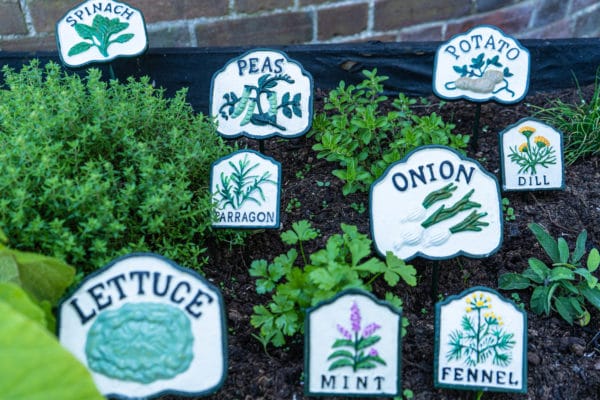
99,35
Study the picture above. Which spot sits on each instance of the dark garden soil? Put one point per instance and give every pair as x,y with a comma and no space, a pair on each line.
563,360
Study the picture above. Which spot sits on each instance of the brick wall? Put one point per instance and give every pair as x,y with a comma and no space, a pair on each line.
27,25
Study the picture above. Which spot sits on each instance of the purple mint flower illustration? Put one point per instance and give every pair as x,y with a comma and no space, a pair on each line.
370,329
344,332
373,352
355,317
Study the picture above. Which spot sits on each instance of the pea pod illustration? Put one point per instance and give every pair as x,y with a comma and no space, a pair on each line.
249,113
272,96
241,104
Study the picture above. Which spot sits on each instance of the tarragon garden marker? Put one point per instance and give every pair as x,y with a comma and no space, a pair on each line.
480,343
100,31
145,326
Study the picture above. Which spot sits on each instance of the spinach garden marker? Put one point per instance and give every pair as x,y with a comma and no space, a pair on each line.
480,65
245,187
100,31
353,347
480,343
531,154
437,204
145,326
261,94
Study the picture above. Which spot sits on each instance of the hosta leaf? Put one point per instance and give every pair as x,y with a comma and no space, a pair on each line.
18,299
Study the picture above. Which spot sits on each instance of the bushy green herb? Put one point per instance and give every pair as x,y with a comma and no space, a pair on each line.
297,284
566,284
93,170
580,123
364,139
509,212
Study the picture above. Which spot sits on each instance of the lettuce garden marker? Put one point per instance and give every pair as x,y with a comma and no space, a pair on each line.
260,94
353,347
480,343
531,156
436,204
145,326
100,31
245,187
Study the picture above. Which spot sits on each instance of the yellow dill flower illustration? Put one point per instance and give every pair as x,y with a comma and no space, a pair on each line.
541,141
523,147
527,131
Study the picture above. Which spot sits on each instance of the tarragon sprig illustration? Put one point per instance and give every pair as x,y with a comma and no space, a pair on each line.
240,186
100,34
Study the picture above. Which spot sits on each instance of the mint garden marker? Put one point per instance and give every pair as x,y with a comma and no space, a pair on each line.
480,65
100,31
531,156
480,343
261,94
145,326
245,187
353,347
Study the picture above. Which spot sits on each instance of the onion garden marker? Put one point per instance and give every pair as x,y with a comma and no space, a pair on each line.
480,343
353,347
531,154
246,187
480,65
100,31
145,326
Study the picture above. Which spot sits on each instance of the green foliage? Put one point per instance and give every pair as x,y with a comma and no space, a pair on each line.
580,123
100,34
296,284
566,284
508,211
364,139
93,170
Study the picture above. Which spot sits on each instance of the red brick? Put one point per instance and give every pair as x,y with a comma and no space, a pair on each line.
286,28
172,36
489,5
422,34
374,38
586,25
548,11
511,20
12,20
39,43
556,30
169,10
45,13
253,6
395,14
342,21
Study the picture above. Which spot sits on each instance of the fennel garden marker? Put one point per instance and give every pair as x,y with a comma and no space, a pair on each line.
437,204
246,188
145,326
353,347
100,31
480,343
261,94
531,156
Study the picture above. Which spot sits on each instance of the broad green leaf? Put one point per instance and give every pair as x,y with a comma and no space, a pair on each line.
540,269
591,295
9,270
513,281
565,309
540,300
546,241
590,279
561,273
533,276
123,38
593,260
563,250
79,48
86,31
18,299
34,366
579,248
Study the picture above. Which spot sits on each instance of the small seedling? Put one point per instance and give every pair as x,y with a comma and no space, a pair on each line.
509,212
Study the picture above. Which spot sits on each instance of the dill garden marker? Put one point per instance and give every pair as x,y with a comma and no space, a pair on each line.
353,347
531,156
480,65
100,31
246,186
480,343
145,326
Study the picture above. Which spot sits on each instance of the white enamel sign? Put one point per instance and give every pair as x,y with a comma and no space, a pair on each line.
480,65
245,187
480,343
436,204
100,31
353,347
261,94
145,326
531,156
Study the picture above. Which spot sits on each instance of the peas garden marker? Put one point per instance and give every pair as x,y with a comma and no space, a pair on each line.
531,154
145,326
100,31
261,94
246,187
480,343
353,347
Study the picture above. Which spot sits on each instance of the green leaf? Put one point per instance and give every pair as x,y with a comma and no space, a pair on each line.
342,343
35,366
590,279
18,299
546,241
591,295
565,309
367,342
539,268
340,364
79,48
86,31
561,273
9,270
593,260
513,281
340,353
579,247
540,300
397,267
563,250
123,38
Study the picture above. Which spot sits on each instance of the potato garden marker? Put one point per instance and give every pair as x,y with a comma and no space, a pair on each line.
145,326
100,31
246,187
480,343
480,65
353,347
531,154
261,94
